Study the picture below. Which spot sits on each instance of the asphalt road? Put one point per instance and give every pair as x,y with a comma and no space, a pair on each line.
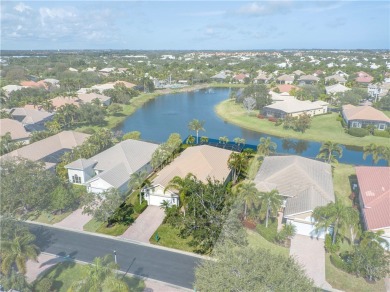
162,265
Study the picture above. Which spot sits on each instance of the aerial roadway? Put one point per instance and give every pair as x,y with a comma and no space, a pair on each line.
147,261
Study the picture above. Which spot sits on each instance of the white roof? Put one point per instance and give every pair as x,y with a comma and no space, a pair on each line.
294,106
336,88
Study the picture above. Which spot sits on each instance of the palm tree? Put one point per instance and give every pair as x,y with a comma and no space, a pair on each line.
165,205
196,125
237,163
190,140
223,140
18,251
48,105
289,230
137,179
334,214
351,223
239,141
251,196
266,147
270,204
204,139
100,276
373,150
330,152
369,236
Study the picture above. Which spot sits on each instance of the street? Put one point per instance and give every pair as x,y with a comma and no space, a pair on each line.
170,267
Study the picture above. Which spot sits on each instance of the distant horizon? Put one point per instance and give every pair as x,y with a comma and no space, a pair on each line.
195,25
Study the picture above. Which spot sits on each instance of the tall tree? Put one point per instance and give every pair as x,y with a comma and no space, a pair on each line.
238,164
250,269
18,249
266,147
335,215
137,180
270,204
248,192
374,150
330,152
196,125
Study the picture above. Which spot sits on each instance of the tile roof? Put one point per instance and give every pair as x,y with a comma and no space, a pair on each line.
374,185
336,88
62,100
119,162
16,128
309,77
89,97
49,150
307,183
293,106
31,116
286,77
363,77
286,87
335,77
202,161
352,112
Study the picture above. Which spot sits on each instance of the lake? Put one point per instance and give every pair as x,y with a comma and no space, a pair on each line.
171,113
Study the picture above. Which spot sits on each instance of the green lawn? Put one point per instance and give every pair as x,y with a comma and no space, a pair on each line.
341,182
46,217
323,128
169,237
65,273
387,113
256,240
101,227
347,282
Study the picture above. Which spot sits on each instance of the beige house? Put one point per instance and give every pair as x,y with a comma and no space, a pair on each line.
49,150
285,79
202,161
360,116
293,107
303,183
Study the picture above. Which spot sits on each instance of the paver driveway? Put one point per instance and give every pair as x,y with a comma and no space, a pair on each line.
75,220
145,225
310,253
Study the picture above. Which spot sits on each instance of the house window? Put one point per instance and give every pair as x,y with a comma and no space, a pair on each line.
76,179
381,127
355,125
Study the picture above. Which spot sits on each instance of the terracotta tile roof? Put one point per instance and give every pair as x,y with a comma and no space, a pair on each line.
352,112
286,87
363,77
374,185
240,76
62,100
38,84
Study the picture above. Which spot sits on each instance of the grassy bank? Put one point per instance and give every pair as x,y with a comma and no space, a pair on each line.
341,182
323,128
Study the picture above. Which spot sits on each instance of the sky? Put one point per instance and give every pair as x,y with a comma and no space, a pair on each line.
194,25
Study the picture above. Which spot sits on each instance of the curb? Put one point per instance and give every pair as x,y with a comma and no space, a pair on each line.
118,238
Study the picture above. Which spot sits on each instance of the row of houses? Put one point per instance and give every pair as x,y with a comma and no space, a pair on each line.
303,183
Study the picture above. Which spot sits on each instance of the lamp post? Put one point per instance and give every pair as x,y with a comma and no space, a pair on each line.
115,256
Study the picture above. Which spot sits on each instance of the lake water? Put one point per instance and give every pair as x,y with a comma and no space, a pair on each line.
171,113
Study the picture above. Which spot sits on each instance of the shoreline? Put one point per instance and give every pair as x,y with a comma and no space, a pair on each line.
230,117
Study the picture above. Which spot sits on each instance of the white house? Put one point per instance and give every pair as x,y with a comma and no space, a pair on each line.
112,168
303,183
202,161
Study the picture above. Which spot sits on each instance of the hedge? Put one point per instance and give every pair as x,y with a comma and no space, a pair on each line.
338,262
380,133
270,232
139,208
358,132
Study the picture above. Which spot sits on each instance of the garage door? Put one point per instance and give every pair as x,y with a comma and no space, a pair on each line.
307,229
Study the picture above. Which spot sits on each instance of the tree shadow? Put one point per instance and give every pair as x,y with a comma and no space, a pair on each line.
43,237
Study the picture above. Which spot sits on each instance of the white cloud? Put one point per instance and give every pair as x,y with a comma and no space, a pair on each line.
265,8
21,7
205,13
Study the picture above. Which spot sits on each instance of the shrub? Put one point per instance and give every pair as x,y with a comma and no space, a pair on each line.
260,116
329,246
44,285
279,122
90,131
139,208
380,133
272,119
269,233
122,215
358,132
339,119
339,263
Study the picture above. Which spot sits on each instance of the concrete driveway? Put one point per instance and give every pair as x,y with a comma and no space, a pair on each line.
310,253
75,220
145,225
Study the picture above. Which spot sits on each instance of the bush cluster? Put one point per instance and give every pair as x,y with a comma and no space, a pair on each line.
139,208
380,133
358,132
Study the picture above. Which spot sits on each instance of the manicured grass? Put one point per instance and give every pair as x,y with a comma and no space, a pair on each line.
387,113
347,282
46,217
256,240
323,128
66,273
341,182
169,237
101,227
